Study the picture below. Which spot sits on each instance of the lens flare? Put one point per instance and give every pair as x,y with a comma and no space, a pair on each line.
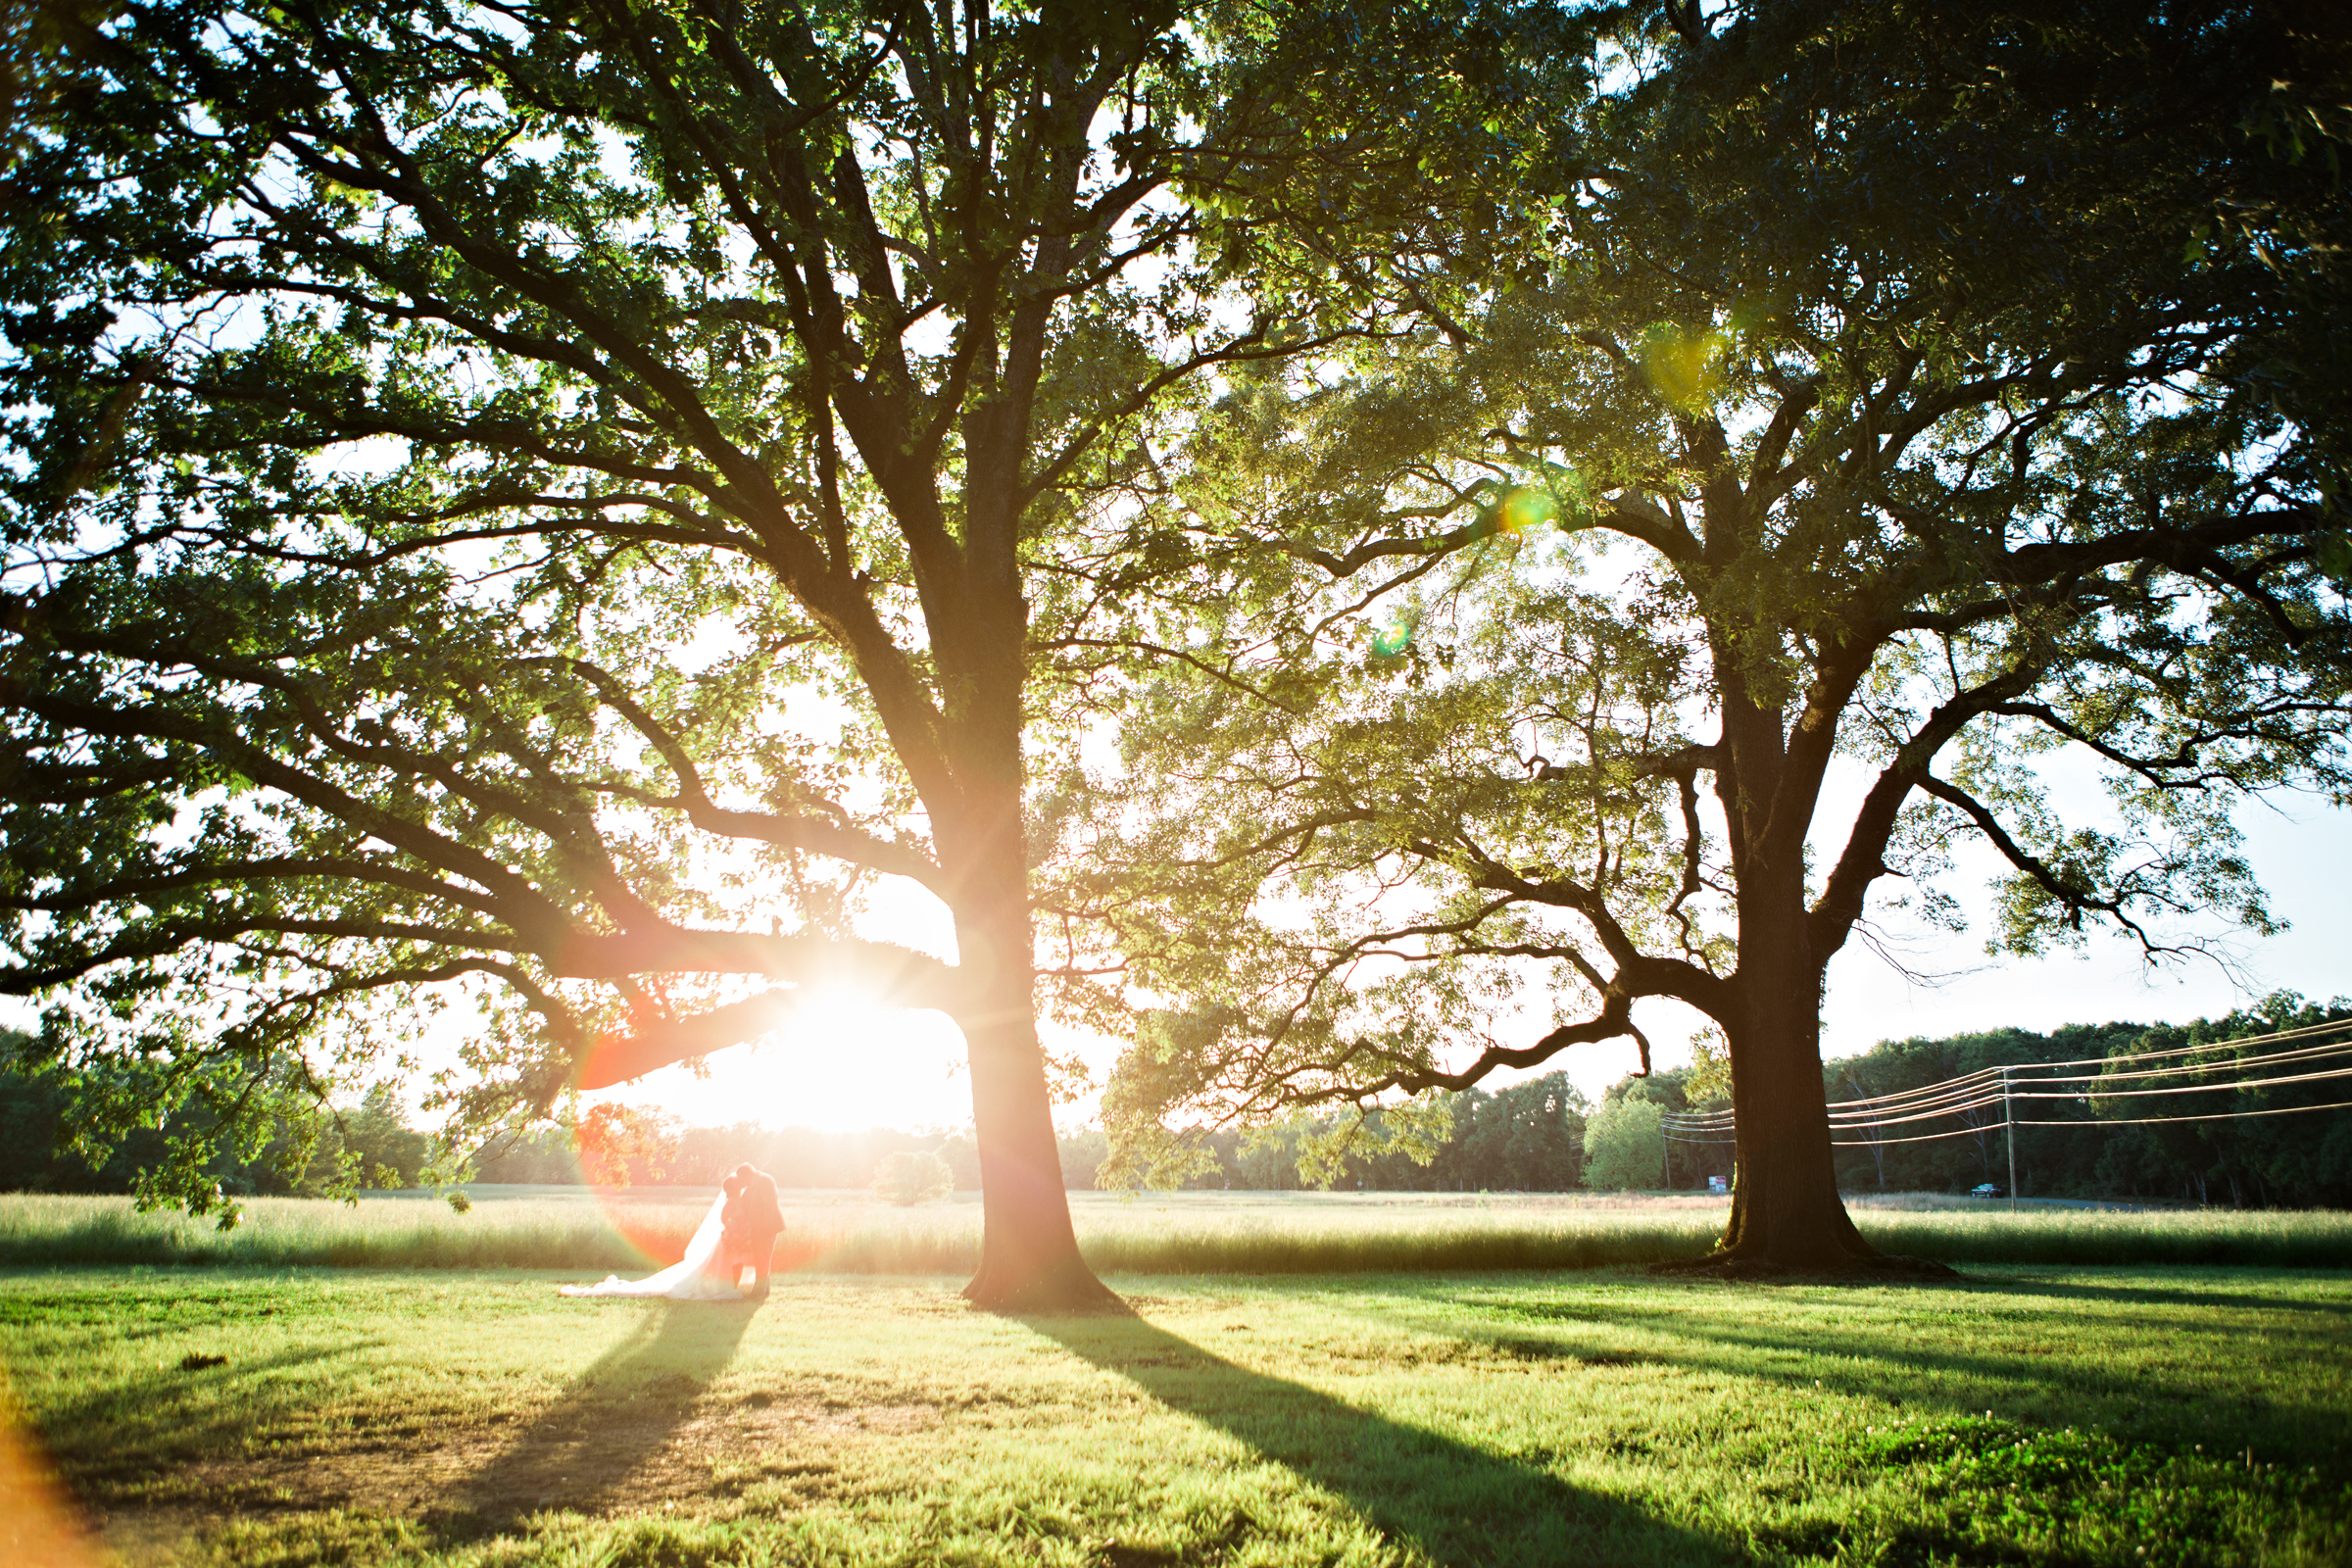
1684,365
613,1144
40,1527
1524,508
839,1057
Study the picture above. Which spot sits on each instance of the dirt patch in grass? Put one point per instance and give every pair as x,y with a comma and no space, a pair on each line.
607,1461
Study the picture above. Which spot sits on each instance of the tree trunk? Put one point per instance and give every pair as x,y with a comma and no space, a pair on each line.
1786,1212
1029,1259
1785,1205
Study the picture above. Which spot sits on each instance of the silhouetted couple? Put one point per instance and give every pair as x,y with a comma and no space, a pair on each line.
748,1223
739,1233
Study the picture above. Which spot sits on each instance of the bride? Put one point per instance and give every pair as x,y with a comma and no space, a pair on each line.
700,1276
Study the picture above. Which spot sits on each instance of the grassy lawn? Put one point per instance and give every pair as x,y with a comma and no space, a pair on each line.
2027,1415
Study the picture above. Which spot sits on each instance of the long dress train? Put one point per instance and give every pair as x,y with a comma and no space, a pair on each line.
696,1277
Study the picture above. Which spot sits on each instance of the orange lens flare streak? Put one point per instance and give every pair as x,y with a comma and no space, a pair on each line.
619,1147
39,1525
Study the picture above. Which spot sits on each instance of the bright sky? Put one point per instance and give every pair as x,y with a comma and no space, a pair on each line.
850,1068
2301,851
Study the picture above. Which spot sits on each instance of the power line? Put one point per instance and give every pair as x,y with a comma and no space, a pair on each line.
1955,1085
2219,1115
1879,1142
2268,1058
1984,1087
1721,1119
1971,1089
2186,1089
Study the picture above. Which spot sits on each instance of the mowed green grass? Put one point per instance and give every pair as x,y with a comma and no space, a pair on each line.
2022,1416
1160,1233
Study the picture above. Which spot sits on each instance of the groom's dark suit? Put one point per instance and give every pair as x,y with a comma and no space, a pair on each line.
751,1223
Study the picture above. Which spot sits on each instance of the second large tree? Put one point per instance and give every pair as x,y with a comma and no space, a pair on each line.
1835,414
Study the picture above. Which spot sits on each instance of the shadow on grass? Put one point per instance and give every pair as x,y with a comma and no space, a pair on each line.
2167,1295
1459,1503
120,1438
615,1417
2197,1392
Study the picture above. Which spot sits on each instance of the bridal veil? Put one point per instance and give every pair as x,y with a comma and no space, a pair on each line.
696,1277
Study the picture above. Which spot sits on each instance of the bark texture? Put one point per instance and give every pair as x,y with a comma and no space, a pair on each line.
1786,1212
1785,1205
1029,1259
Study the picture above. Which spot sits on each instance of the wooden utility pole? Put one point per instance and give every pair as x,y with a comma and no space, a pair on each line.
2009,1136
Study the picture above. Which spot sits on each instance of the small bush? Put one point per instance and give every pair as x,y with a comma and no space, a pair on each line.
909,1177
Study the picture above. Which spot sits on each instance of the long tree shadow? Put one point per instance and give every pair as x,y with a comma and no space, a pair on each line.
2164,1295
2188,1398
1458,1502
614,1417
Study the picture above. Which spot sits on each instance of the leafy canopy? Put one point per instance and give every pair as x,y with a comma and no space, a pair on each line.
549,506
1900,398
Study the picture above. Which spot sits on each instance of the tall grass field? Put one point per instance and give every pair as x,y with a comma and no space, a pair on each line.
1170,1233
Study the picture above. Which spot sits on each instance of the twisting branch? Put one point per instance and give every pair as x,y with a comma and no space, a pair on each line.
2183,768
2077,900
1614,1022
799,832
1861,862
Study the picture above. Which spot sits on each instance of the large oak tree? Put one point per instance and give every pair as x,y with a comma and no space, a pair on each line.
1901,395
565,498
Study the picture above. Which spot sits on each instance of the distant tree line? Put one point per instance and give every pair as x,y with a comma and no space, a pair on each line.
1528,1138
701,1157
2244,1161
1537,1136
1543,1136
372,1136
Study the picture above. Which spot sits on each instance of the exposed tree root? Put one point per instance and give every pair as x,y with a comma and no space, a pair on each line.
1071,1290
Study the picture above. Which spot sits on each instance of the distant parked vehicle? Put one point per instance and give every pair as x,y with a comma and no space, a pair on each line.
1987,1190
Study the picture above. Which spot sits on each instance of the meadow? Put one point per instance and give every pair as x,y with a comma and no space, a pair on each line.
1158,1232
2026,1415
1407,1380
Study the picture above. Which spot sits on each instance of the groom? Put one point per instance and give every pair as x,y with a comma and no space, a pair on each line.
749,1225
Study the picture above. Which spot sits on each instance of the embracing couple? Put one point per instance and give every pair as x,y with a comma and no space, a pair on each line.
739,1233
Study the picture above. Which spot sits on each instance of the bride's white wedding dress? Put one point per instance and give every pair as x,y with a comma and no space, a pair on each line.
696,1277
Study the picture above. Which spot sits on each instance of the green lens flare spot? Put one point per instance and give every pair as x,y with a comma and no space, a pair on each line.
1395,637
1524,508
1684,365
